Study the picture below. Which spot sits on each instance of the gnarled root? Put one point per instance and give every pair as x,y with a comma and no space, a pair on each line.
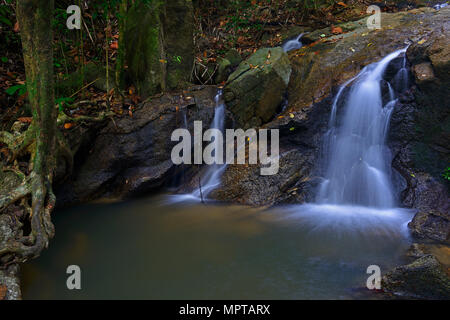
42,229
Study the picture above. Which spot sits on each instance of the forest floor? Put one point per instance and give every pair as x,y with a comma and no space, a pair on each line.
217,30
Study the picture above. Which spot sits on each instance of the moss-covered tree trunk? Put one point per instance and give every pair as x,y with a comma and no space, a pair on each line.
34,17
159,45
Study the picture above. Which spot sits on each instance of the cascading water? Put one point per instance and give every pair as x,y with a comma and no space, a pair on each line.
357,193
358,169
211,178
293,44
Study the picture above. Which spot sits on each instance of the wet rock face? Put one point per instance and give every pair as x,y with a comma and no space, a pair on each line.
424,278
132,155
431,224
419,127
256,89
297,179
420,136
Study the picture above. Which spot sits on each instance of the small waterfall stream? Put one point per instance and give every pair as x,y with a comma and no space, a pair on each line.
210,179
358,160
293,44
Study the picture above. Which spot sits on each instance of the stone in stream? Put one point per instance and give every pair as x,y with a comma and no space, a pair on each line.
419,156
132,155
424,278
256,89
227,64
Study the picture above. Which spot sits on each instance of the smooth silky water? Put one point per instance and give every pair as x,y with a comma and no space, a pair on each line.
174,247
148,249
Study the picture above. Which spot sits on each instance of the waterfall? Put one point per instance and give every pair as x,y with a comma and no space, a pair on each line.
211,178
357,160
293,44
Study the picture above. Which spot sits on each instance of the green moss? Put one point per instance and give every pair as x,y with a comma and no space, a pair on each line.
91,72
144,53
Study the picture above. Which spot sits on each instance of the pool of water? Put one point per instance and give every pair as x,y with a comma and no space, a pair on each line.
155,249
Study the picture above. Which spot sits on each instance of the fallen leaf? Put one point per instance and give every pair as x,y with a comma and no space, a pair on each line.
422,41
114,45
342,4
2,292
336,30
291,115
25,119
68,125
16,27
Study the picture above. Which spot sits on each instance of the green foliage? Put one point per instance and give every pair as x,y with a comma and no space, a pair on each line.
62,101
446,174
59,20
5,13
20,89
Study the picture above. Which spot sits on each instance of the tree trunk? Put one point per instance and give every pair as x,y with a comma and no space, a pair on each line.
34,17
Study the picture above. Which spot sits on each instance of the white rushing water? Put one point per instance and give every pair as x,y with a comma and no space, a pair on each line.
356,194
358,160
211,177
293,44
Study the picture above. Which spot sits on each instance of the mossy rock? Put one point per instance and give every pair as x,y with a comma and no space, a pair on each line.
91,73
256,89
424,278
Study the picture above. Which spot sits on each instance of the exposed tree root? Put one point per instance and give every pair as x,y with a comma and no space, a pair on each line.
42,229
63,118
38,187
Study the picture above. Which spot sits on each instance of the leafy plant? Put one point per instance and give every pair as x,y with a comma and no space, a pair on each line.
62,101
446,174
20,88
5,13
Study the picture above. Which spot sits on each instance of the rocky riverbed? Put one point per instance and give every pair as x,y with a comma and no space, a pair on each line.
293,92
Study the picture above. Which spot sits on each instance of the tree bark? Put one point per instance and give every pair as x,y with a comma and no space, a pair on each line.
35,17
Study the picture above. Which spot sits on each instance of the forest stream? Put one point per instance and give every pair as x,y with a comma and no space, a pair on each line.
151,249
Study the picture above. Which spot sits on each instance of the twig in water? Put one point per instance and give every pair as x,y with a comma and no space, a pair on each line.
200,187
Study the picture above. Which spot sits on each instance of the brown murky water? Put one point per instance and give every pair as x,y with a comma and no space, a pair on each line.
151,249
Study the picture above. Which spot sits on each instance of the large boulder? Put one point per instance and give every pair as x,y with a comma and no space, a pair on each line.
159,45
255,91
431,224
319,68
424,278
131,155
227,64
